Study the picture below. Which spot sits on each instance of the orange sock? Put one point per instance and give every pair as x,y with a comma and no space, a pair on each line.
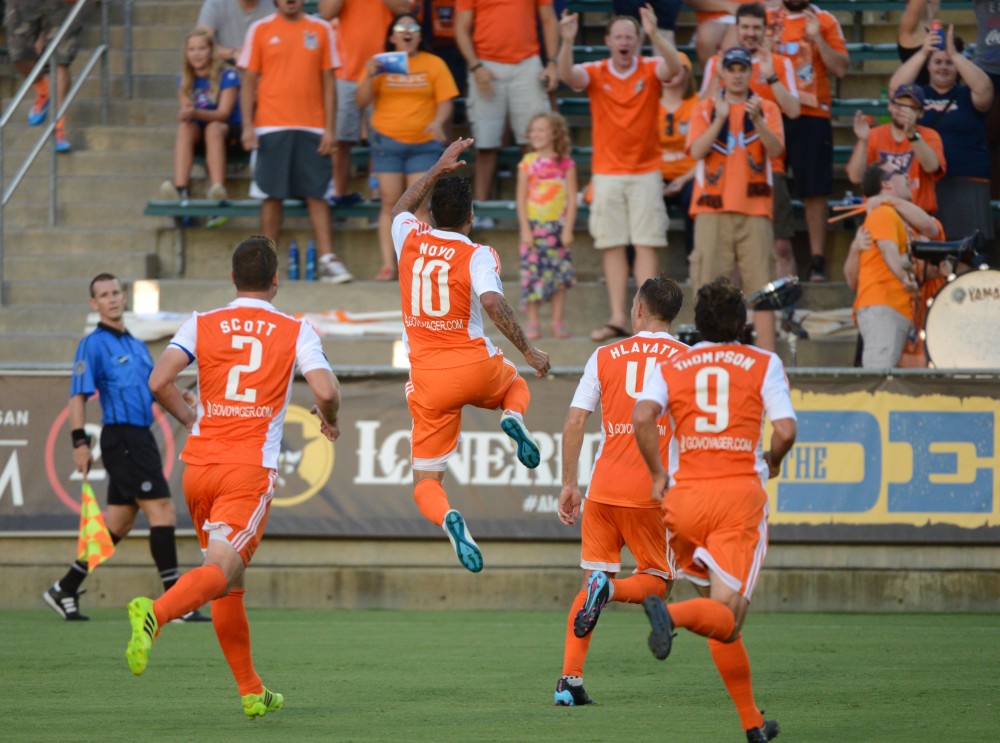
704,617
431,500
734,666
194,588
229,617
41,86
635,588
518,396
575,654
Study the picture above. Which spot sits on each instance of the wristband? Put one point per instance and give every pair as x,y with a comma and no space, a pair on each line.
915,137
475,67
80,437
772,80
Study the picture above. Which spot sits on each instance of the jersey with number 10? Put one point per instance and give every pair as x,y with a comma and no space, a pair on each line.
717,394
246,354
441,277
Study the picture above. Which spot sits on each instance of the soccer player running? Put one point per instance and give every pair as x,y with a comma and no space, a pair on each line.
446,283
716,395
112,362
619,510
246,354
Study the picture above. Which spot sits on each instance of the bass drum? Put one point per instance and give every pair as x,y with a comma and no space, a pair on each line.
963,322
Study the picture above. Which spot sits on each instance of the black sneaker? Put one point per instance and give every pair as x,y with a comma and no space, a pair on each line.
571,694
661,638
817,271
65,604
768,731
191,616
599,592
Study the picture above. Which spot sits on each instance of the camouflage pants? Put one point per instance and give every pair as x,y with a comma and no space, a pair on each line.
26,20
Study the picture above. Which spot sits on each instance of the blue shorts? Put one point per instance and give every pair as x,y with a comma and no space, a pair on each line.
392,156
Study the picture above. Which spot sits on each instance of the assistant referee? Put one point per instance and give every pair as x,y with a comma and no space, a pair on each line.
112,363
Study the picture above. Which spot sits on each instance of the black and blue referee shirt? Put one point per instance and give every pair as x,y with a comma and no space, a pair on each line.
118,366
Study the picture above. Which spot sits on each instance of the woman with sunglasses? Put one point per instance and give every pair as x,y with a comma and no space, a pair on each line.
411,112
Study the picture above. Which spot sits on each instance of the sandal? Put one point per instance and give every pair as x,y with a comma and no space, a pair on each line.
386,274
559,330
608,332
532,331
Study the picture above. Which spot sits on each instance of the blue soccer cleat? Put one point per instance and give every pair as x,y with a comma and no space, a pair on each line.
465,546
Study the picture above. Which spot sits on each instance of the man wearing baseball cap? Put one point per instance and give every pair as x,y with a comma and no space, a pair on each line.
903,144
734,136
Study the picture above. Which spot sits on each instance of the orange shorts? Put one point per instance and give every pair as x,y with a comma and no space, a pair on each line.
436,398
229,502
606,529
718,525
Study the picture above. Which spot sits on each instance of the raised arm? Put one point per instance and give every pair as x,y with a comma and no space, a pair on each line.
978,81
568,73
414,196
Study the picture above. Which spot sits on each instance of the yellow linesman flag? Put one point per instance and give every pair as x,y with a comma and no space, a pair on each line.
94,545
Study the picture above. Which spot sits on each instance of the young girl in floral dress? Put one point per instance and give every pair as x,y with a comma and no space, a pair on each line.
546,212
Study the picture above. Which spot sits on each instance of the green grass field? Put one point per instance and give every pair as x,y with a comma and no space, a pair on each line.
489,676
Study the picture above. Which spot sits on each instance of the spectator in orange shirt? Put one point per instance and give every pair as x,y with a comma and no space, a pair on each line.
773,79
411,111
624,92
677,102
499,40
734,137
904,144
880,274
814,41
289,103
357,40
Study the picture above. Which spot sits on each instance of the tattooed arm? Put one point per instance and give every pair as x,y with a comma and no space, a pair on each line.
502,315
414,196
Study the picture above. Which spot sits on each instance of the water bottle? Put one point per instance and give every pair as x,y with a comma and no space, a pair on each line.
311,261
293,261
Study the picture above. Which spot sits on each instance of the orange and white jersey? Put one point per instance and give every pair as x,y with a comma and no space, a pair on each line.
441,277
615,376
716,395
246,354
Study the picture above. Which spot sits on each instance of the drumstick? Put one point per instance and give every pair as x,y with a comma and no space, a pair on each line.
847,215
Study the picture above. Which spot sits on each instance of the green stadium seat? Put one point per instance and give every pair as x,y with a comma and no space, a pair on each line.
847,6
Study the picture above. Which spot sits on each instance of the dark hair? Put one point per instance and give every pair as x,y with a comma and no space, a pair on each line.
873,178
255,262
662,296
631,19
451,202
102,277
754,10
720,313
422,45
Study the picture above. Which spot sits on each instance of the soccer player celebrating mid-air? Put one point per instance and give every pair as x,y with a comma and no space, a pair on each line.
446,283
716,514
246,353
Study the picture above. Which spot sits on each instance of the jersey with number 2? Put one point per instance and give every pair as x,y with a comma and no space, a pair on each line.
717,394
246,354
441,277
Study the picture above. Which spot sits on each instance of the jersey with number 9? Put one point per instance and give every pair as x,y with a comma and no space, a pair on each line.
717,395
246,354
441,277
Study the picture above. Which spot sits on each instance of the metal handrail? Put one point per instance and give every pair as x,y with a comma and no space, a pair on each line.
47,58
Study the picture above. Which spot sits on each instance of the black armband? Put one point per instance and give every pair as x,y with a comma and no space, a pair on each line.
80,437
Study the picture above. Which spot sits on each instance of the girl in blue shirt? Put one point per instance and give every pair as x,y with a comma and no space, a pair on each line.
208,117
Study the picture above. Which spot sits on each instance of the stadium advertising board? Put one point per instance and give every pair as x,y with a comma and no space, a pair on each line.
878,458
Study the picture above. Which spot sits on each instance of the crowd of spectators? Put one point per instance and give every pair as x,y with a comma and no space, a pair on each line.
756,134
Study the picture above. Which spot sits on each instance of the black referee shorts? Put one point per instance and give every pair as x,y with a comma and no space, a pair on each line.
809,155
132,460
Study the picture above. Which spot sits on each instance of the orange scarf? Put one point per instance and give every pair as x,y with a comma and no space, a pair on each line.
715,164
